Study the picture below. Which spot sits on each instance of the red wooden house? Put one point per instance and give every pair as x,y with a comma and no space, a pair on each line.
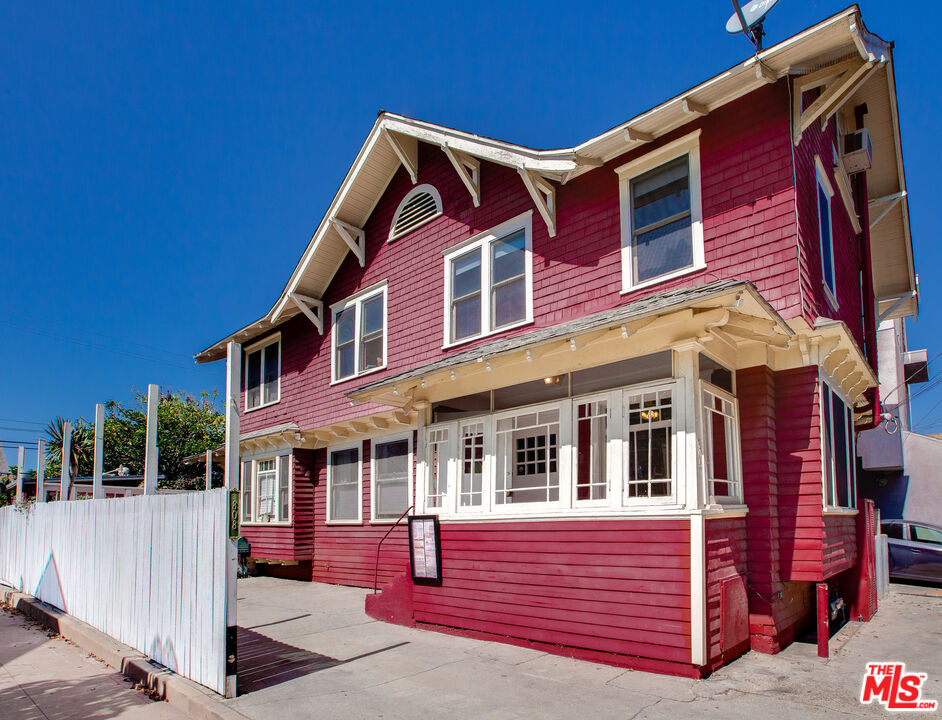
626,375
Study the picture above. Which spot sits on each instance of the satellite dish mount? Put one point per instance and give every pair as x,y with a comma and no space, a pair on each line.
748,20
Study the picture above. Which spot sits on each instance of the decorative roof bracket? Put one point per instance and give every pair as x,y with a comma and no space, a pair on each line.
354,237
543,193
468,169
312,308
838,82
407,150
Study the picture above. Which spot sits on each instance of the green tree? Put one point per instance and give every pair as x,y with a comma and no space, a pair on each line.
82,447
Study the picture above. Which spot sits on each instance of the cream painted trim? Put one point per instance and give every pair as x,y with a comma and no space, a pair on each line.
660,155
698,615
358,446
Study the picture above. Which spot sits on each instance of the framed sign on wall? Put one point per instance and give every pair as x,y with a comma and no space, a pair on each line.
425,549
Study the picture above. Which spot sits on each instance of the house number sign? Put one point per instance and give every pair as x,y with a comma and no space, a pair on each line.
425,549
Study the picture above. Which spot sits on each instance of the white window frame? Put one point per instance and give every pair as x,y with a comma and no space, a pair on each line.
426,465
260,347
823,183
735,448
828,460
687,145
612,454
487,465
410,497
677,475
357,301
253,463
430,189
358,446
484,241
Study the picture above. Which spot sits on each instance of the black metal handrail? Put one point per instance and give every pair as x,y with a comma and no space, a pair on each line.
380,545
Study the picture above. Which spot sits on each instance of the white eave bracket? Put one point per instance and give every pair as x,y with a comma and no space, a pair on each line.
312,308
468,169
890,201
407,150
354,237
838,82
543,193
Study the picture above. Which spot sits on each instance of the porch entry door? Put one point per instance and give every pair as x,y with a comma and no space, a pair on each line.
529,456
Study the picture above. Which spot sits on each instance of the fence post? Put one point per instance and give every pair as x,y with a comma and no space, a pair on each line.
97,490
232,474
209,469
65,476
40,471
150,452
20,462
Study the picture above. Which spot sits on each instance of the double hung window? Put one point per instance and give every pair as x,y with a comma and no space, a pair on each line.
359,334
392,475
266,491
488,282
662,232
343,485
262,373
838,450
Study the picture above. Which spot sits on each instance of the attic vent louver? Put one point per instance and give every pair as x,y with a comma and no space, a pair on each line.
422,204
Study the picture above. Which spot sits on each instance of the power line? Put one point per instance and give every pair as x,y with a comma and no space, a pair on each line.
21,422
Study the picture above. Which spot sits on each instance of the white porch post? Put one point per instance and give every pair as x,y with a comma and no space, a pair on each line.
40,471
150,452
20,462
232,474
97,491
65,476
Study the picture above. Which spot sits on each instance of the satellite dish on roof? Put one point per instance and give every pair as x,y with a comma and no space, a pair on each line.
748,20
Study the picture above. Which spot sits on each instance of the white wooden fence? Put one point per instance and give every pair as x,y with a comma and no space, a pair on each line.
149,571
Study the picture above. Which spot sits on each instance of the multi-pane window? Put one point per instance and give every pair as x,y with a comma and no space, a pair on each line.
471,479
391,473
359,335
266,490
825,232
527,458
591,479
838,451
719,446
661,220
650,456
437,453
488,283
262,370
343,481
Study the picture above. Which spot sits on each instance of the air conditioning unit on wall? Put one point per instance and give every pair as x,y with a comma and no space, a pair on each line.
857,154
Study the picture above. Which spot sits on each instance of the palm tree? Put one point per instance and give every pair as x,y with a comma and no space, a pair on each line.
83,444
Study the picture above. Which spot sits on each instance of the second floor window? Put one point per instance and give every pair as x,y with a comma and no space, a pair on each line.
825,232
359,334
488,282
662,233
262,373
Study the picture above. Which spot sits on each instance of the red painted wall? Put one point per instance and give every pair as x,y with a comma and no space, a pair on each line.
749,228
611,586
726,562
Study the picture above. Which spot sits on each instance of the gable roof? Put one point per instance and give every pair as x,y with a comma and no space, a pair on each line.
393,142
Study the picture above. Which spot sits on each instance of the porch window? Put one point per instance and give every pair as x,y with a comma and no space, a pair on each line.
343,483
266,490
720,451
391,472
528,458
488,282
591,442
262,373
359,334
662,234
471,491
838,451
437,451
650,445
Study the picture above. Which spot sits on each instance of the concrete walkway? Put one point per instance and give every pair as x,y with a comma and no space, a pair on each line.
309,651
47,678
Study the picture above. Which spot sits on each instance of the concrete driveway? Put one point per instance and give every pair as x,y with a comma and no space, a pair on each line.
309,651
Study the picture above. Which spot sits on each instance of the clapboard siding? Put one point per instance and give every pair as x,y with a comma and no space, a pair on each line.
610,586
346,554
726,544
150,571
840,544
294,542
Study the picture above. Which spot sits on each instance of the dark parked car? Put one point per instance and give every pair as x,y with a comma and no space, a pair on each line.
915,550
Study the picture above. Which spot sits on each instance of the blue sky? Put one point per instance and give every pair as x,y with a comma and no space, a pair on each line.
162,166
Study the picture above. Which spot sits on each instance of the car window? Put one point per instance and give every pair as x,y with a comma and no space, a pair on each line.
921,533
894,531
